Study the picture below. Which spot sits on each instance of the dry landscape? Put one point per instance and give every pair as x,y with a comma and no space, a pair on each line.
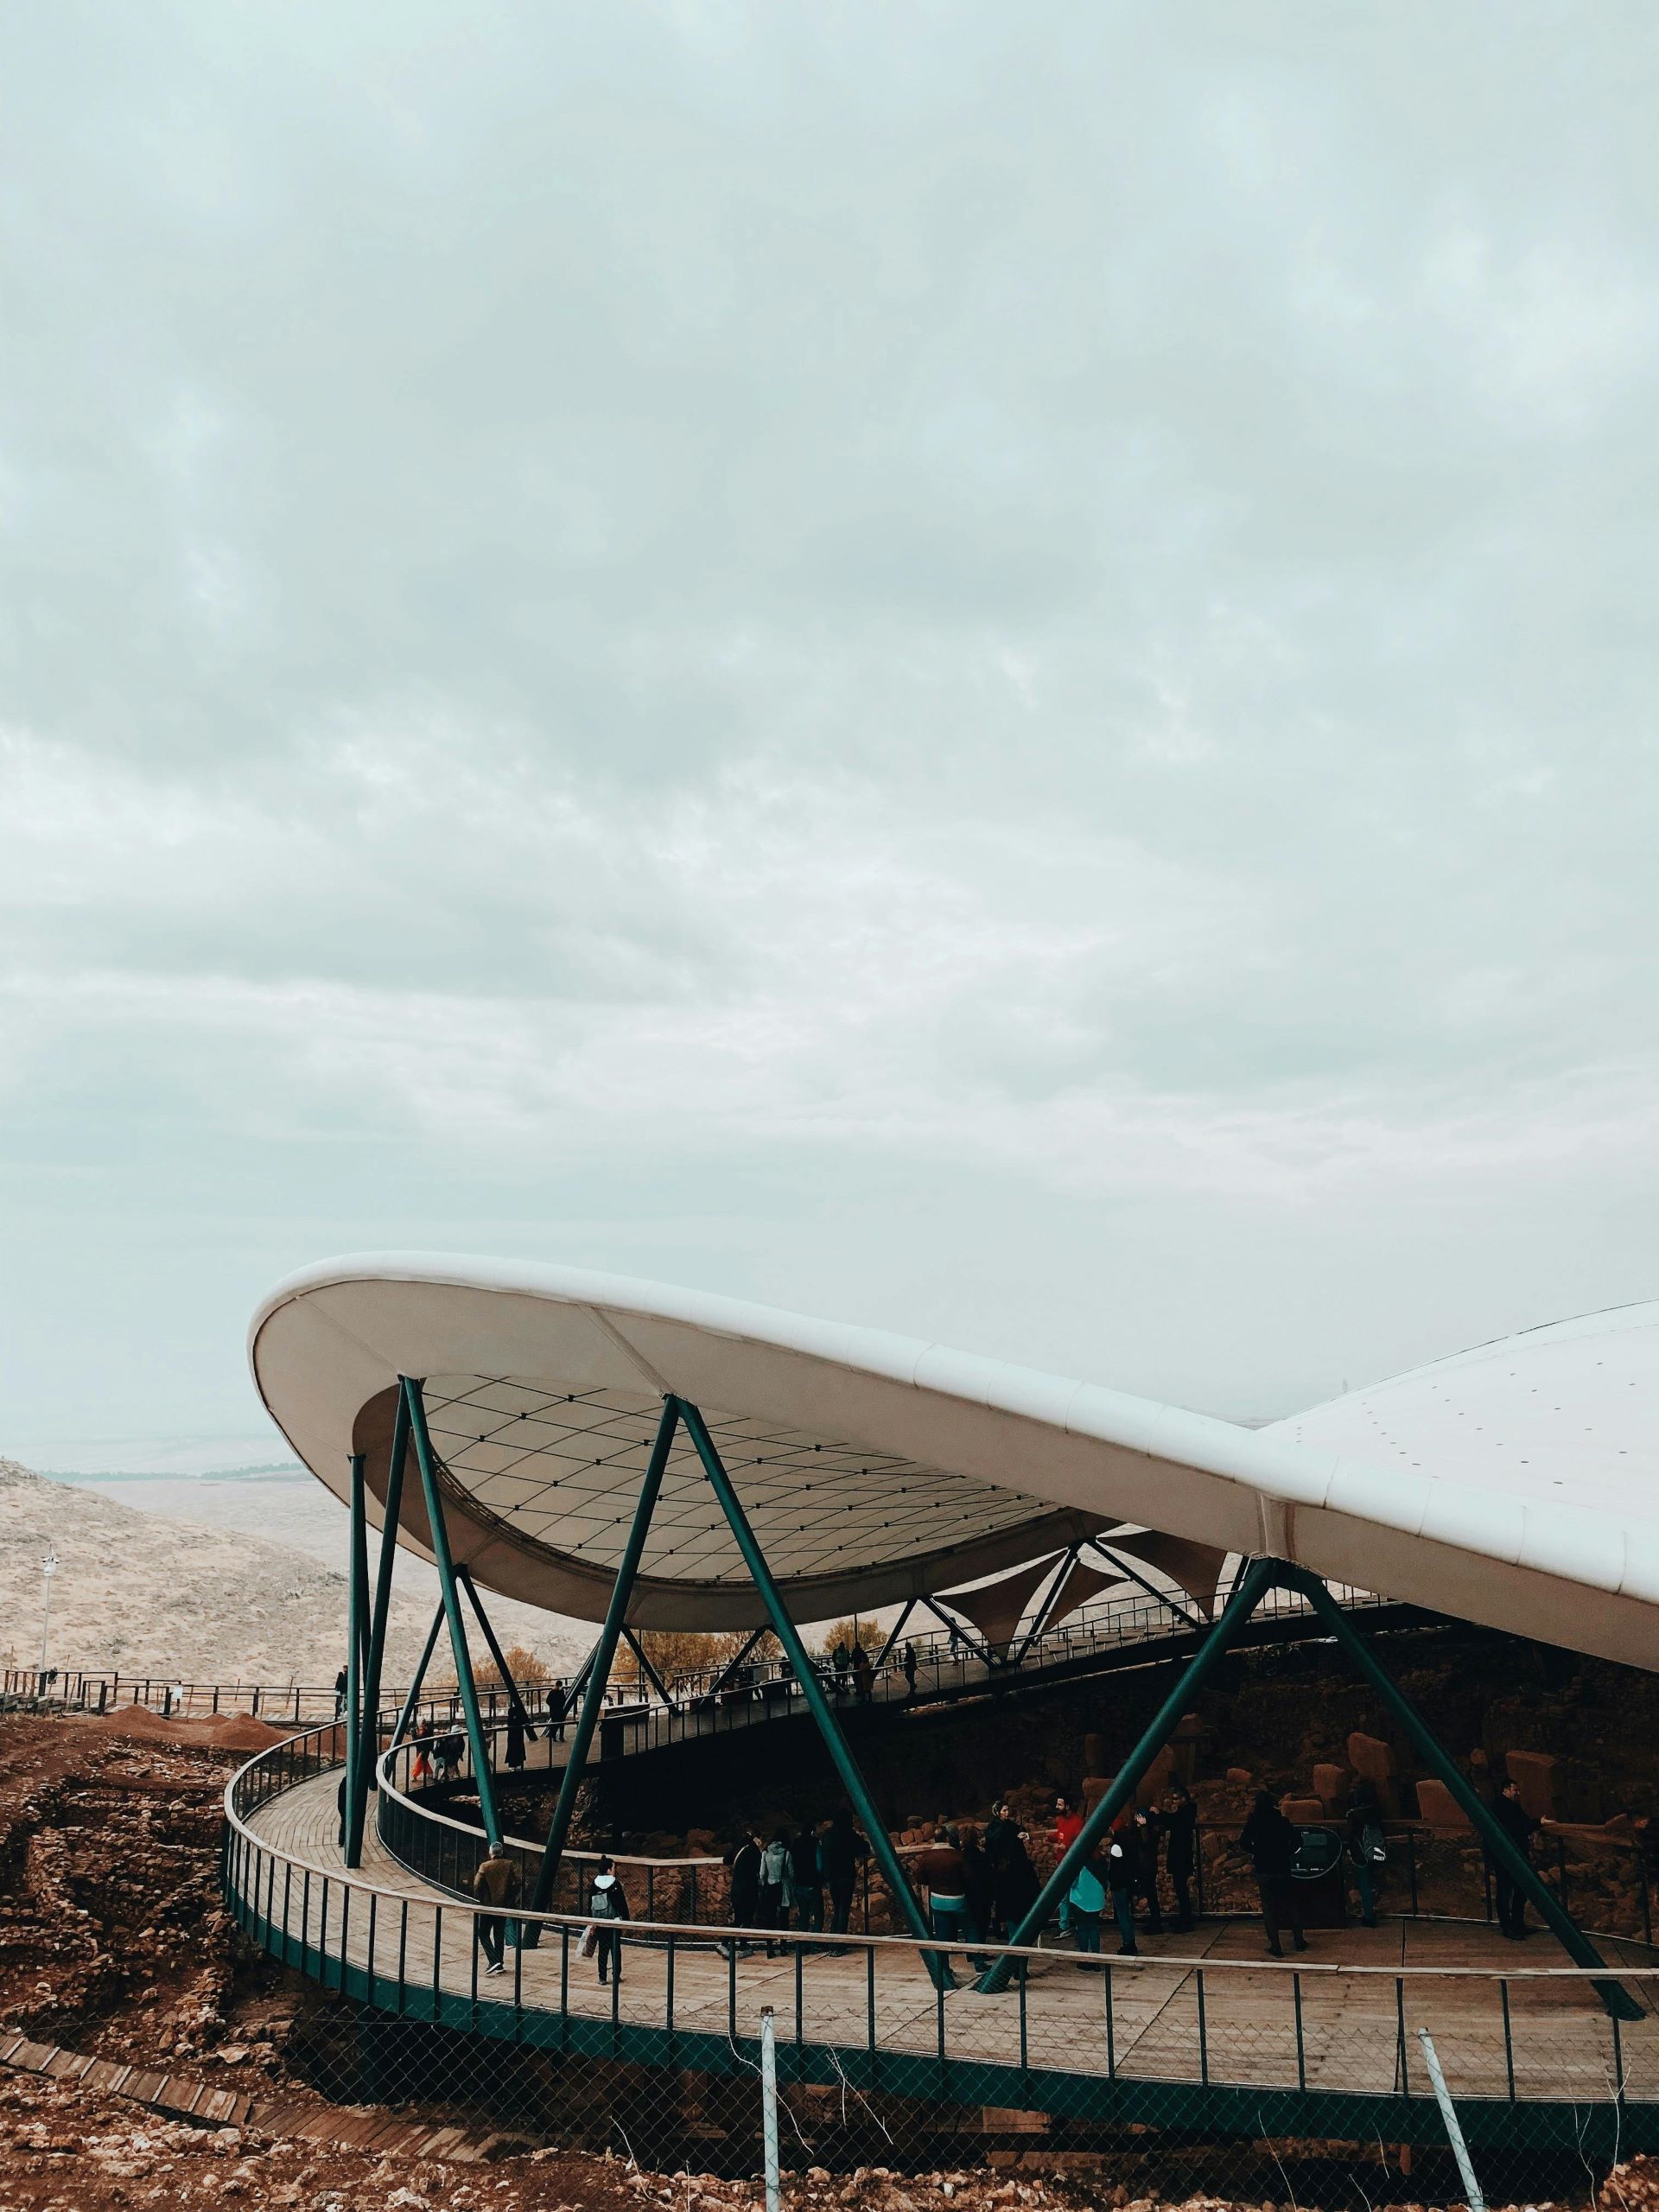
144,1592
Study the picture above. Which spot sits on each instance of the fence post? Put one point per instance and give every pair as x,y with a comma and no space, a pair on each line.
1449,2114
769,2103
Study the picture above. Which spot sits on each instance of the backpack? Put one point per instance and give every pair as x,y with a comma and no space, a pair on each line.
602,1904
1086,1893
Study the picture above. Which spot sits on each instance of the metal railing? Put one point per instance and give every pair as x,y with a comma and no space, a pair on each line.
1161,2039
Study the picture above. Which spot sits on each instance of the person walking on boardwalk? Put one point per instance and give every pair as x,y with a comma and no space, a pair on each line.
1068,1826
556,1712
909,1671
1087,1896
496,1886
1366,1848
806,1878
745,1865
607,1905
1519,1826
980,1884
1119,1869
942,1874
840,1659
340,1681
841,1849
515,1735
1014,1879
1271,1841
777,1888
863,1674
1181,1828
1146,1842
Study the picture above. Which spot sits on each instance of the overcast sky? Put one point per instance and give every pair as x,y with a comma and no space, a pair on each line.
988,669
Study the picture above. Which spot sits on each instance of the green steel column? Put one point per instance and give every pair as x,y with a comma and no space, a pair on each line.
368,1742
464,1576
417,1679
355,1601
1243,1603
603,1653
812,1688
1516,1865
446,1567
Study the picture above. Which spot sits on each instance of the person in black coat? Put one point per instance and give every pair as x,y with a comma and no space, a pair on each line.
1519,1826
1181,1828
745,1863
1014,1879
1272,1842
515,1735
841,1850
1145,1841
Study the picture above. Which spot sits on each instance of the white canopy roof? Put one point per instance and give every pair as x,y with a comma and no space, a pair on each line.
875,1467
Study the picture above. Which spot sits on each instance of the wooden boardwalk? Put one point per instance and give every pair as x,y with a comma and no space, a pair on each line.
1205,2007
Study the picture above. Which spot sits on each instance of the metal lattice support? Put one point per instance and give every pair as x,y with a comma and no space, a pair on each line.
811,1688
603,1654
438,1530
362,1781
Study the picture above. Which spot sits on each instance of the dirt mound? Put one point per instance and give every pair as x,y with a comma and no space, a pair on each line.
224,1732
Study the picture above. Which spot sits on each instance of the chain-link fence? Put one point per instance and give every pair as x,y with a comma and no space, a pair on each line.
1174,2074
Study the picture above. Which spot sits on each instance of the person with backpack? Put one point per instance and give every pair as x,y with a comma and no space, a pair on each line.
607,1903
1366,1848
1087,1898
495,1885
1273,1842
1181,1850
777,1888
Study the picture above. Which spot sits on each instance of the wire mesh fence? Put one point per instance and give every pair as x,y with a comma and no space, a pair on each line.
1174,2074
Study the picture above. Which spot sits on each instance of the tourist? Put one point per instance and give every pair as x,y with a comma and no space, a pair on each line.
421,1770
1366,1848
1120,1881
841,1850
496,1884
777,1888
980,1888
1272,1842
863,1674
1014,1879
1068,1826
745,1865
1087,1898
910,1670
1519,1826
606,1906
942,1874
515,1735
556,1712
840,1659
1181,1827
1145,1842
340,1681
806,1878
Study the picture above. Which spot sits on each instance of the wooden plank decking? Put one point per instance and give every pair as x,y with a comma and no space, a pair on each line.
1562,2043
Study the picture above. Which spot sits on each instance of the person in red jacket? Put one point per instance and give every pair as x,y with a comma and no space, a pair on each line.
1068,1826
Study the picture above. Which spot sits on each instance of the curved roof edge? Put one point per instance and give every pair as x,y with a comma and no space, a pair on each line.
1568,1574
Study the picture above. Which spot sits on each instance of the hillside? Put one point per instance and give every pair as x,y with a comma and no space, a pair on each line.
147,1593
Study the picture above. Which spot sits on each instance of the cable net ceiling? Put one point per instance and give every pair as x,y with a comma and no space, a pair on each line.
562,1469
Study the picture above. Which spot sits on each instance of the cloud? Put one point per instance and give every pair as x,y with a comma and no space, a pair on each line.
733,642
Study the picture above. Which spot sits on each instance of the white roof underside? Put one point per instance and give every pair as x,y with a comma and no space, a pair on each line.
1512,1486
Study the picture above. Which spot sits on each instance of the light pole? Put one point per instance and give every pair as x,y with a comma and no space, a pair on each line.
48,1568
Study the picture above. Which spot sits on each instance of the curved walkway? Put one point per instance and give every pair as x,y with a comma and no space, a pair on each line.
1200,2031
